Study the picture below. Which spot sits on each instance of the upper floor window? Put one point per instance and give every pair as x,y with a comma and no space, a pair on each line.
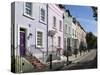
73,32
69,30
42,14
60,25
28,8
66,27
65,45
54,21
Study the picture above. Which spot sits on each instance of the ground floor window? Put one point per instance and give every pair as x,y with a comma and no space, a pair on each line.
59,41
65,45
39,39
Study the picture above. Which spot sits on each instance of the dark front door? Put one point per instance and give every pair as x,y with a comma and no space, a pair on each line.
22,43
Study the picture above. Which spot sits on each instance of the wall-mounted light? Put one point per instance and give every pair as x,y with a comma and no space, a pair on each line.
52,33
29,36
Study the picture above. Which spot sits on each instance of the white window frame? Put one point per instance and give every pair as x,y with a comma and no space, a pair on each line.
54,23
66,28
69,30
42,15
27,15
60,25
38,46
59,41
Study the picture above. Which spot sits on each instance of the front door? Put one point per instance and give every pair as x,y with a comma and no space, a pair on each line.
22,43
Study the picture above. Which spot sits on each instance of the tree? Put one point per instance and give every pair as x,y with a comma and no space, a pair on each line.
91,40
68,53
94,9
75,52
81,47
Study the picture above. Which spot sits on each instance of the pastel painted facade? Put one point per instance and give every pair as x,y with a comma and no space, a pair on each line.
29,28
55,23
74,36
81,34
67,30
78,33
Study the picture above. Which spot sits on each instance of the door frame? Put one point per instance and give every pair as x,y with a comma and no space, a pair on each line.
26,27
24,31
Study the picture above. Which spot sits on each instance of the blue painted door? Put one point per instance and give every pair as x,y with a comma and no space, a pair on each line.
22,43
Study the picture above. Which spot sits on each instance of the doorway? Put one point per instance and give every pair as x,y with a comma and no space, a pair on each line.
22,42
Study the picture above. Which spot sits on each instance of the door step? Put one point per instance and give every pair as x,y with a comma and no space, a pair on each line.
36,62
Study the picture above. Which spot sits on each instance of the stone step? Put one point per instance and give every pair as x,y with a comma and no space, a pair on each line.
36,62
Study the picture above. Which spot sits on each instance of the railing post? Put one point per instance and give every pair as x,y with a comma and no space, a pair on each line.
50,61
43,56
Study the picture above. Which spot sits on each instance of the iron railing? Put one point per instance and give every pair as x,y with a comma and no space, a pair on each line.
29,51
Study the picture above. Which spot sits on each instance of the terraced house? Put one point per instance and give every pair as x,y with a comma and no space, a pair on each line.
80,36
29,31
55,27
68,31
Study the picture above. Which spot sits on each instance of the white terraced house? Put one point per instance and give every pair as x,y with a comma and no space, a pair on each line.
29,32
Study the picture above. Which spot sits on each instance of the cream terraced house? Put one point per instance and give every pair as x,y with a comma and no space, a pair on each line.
81,35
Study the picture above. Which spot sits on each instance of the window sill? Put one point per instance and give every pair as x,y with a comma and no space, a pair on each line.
60,30
43,22
39,47
28,16
54,28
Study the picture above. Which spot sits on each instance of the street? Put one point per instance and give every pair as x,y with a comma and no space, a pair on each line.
85,62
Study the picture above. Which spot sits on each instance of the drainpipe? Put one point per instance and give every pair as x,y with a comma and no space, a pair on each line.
47,29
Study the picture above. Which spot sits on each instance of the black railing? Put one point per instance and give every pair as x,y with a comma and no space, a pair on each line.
29,51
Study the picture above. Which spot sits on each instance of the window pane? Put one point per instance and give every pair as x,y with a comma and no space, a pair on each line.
66,28
39,38
60,25
42,14
54,21
59,41
28,8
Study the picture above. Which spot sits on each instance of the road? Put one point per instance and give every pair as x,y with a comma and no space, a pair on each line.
88,57
86,62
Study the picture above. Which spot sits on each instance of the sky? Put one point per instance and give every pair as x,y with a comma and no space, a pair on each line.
84,15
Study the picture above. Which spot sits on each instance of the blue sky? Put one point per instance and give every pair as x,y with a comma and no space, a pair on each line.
84,15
